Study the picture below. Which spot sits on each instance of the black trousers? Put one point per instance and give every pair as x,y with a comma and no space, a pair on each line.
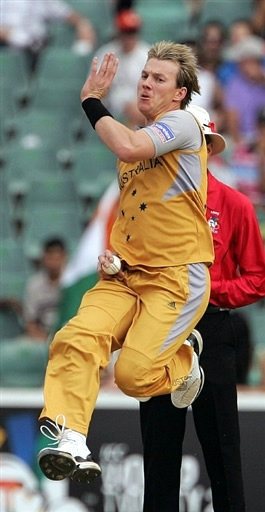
216,421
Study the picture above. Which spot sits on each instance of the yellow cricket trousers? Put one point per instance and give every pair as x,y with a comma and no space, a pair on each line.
148,315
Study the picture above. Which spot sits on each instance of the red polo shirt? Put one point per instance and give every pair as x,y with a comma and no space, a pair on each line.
238,272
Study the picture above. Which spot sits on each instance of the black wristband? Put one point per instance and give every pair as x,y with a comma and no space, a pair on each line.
94,110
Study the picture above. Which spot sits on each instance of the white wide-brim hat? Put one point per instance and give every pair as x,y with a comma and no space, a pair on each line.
202,116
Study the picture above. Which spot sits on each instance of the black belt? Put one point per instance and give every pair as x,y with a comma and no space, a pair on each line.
215,309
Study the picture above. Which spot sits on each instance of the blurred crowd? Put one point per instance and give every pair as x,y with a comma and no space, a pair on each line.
230,45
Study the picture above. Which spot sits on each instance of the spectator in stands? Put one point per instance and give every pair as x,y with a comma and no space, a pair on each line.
209,48
238,31
245,92
211,44
43,291
251,161
24,25
211,94
258,18
132,53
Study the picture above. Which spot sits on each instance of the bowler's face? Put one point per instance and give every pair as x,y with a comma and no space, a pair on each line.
157,91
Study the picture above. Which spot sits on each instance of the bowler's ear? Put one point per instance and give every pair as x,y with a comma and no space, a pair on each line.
180,94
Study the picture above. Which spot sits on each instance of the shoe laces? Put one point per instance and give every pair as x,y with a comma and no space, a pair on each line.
58,435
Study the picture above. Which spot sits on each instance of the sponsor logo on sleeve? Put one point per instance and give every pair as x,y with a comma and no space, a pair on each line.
163,131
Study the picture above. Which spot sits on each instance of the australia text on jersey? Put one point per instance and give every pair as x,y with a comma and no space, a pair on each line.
145,165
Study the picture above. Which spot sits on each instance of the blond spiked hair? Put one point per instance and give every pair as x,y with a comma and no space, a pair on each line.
184,56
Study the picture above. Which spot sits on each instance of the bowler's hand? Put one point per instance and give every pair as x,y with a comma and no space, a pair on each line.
105,259
99,81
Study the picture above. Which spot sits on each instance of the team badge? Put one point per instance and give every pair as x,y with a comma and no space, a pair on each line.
213,222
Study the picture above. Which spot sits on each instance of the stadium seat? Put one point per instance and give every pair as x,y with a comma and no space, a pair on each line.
6,207
226,13
8,109
23,362
61,34
161,20
51,191
61,65
13,68
51,222
62,99
93,168
169,20
15,269
7,227
93,191
12,258
10,325
13,284
23,165
37,128
14,87
100,13
94,156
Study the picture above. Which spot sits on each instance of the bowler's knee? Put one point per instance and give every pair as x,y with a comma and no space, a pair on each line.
131,372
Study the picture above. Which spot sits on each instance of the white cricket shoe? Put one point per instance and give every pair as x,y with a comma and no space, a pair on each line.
71,458
190,389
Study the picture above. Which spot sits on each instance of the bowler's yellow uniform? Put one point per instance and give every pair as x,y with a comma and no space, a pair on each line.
164,240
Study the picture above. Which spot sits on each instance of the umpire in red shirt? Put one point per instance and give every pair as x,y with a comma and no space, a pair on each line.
237,279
